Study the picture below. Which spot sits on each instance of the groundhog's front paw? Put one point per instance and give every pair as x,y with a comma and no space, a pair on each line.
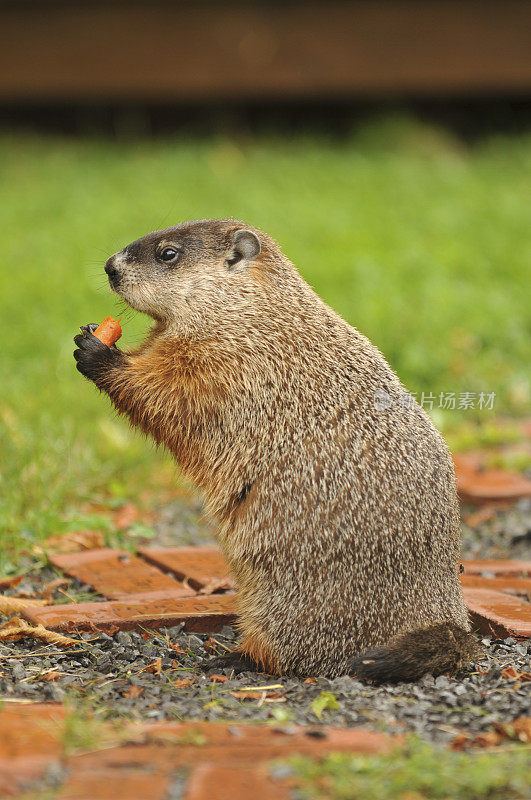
93,358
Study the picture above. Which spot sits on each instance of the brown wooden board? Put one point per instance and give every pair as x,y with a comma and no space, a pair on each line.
149,51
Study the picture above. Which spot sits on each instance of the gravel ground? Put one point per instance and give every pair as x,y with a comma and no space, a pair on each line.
182,523
110,671
506,535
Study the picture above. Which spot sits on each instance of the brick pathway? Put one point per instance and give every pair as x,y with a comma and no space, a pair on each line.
165,586
30,740
215,761
162,587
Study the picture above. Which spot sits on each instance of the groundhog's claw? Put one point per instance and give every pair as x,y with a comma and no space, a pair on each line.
90,328
93,358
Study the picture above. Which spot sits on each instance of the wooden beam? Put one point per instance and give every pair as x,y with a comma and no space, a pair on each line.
160,51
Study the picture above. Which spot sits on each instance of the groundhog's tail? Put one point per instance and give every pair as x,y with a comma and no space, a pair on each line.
442,648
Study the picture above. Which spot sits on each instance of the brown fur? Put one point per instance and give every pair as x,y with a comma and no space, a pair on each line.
339,520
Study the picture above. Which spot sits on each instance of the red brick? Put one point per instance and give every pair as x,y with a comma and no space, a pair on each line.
518,586
129,783
221,742
233,782
198,565
478,485
500,567
153,609
498,613
30,741
116,573
167,746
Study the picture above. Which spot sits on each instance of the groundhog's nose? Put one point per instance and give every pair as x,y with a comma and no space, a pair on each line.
110,268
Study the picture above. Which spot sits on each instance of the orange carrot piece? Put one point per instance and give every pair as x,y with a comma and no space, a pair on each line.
108,331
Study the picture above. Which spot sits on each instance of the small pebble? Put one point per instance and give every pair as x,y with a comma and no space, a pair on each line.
18,671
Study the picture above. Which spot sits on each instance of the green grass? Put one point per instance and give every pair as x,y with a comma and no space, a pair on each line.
418,771
421,243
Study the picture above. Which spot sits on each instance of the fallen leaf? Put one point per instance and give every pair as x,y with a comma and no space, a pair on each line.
133,691
155,667
218,678
14,622
510,673
324,702
271,697
8,583
210,644
49,676
125,516
14,605
12,632
72,542
487,739
522,728
464,740
217,585
177,648
460,741
259,694
50,587
246,695
182,683
52,637
310,680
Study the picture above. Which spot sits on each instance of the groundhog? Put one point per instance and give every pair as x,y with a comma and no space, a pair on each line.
334,494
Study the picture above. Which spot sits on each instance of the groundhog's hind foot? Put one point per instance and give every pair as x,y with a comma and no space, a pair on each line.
440,649
236,661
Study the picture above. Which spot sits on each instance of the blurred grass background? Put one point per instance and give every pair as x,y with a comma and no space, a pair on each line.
422,242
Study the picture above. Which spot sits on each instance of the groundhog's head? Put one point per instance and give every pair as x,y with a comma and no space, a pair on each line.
189,269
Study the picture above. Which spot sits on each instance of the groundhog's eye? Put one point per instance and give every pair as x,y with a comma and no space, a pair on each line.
168,254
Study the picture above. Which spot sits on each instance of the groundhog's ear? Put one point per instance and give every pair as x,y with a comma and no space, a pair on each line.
244,247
